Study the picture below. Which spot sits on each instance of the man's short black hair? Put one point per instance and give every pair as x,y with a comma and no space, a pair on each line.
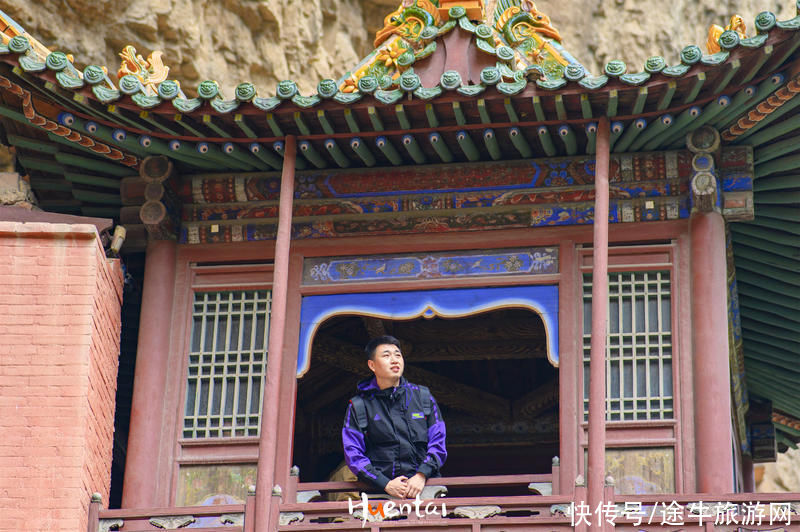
380,340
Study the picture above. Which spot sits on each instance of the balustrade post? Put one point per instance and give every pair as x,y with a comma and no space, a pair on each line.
556,472
93,523
579,498
250,510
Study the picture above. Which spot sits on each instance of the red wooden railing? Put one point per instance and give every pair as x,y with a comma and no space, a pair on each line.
559,512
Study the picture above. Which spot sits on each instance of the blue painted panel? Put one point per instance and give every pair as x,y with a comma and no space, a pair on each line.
428,303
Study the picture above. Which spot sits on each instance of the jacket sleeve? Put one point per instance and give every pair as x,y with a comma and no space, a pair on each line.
437,450
355,453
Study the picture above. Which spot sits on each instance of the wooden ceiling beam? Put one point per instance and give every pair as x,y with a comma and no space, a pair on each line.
476,350
536,401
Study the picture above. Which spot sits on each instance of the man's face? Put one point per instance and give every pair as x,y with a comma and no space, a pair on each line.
387,362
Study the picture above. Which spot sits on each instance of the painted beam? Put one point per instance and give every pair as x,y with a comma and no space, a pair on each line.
93,180
655,127
731,115
733,69
567,136
244,125
279,146
520,143
546,140
311,154
561,109
158,123
679,125
184,123
666,98
430,114
765,54
360,148
459,114
402,117
483,111
591,137
302,127
413,149
492,146
630,134
641,99
700,80
273,125
214,153
771,151
322,118
613,103
586,107
244,156
617,128
31,144
336,153
440,147
211,124
389,151
352,123
710,111
92,164
510,111
538,109
264,154
374,118
467,146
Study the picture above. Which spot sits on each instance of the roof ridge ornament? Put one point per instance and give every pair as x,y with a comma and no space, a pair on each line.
736,25
150,72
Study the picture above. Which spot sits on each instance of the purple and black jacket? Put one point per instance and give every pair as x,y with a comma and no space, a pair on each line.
399,439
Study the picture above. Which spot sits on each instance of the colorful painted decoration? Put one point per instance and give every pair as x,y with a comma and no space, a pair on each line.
150,72
716,31
491,263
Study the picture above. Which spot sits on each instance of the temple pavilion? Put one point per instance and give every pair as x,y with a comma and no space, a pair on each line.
596,273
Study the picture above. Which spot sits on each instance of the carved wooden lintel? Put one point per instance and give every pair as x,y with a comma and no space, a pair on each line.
172,522
477,512
232,519
287,518
106,525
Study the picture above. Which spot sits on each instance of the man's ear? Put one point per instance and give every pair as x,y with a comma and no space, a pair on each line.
371,365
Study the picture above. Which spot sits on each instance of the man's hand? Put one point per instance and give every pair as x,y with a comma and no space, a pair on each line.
415,485
397,487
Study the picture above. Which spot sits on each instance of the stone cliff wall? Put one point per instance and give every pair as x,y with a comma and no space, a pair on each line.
265,41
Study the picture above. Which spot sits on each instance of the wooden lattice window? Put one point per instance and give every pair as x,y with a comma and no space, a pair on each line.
639,372
227,364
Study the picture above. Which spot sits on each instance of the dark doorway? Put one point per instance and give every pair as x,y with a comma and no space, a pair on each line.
489,373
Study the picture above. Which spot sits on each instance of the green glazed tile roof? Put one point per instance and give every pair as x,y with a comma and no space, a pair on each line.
77,132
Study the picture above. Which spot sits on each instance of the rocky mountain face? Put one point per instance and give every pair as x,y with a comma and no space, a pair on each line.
265,41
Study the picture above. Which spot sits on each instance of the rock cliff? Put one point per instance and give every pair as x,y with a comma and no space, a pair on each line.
265,41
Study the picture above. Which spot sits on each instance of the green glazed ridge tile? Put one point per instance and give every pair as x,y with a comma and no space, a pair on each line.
428,93
756,41
347,98
512,88
67,81
144,101
593,82
105,95
306,101
266,104
791,24
635,79
715,59
187,105
676,71
224,106
29,64
471,90
388,97
551,84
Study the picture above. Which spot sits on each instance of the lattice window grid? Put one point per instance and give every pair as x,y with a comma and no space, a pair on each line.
227,364
639,380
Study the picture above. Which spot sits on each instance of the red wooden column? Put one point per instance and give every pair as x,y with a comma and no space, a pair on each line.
268,441
152,354
712,381
597,364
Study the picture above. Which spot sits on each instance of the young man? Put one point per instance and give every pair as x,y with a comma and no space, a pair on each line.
393,434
